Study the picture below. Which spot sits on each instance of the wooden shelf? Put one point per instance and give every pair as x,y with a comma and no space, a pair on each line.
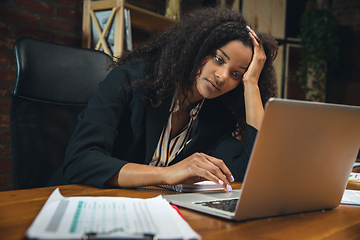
148,19
139,16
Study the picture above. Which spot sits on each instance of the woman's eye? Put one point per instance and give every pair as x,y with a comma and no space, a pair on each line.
218,59
237,75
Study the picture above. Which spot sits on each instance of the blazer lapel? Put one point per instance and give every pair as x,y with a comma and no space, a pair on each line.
156,118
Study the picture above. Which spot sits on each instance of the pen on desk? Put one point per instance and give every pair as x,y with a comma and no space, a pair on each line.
105,235
88,236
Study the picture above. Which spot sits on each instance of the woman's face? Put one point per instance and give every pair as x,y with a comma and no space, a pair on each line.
223,70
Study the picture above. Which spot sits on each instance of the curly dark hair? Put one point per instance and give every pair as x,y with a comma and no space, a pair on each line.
175,57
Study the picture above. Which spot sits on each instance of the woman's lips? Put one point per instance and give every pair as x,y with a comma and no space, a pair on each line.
213,85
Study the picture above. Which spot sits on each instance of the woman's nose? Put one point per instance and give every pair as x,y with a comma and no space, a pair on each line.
222,75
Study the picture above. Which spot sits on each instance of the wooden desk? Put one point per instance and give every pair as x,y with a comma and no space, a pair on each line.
19,208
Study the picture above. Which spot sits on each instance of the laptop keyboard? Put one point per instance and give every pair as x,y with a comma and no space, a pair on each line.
228,205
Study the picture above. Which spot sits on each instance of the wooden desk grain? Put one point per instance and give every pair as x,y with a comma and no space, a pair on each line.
19,208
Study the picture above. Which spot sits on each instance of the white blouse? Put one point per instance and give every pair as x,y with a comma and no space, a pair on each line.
167,149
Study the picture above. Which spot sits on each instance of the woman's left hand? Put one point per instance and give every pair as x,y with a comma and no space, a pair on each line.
253,72
253,104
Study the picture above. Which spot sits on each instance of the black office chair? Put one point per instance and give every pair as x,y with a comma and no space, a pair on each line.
53,85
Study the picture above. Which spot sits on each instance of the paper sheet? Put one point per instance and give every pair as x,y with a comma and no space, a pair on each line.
351,197
71,217
354,177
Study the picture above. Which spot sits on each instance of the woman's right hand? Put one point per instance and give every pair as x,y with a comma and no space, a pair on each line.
195,168
199,167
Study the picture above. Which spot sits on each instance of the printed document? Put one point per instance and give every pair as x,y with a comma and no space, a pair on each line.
108,217
351,197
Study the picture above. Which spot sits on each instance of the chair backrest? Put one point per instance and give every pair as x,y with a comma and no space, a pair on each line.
53,85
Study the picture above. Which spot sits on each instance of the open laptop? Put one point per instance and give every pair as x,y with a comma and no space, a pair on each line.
301,161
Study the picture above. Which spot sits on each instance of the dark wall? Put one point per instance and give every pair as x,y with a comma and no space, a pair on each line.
343,85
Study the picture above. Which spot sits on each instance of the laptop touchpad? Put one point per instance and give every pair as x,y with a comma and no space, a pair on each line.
223,195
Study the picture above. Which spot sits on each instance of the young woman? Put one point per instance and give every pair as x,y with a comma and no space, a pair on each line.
172,111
